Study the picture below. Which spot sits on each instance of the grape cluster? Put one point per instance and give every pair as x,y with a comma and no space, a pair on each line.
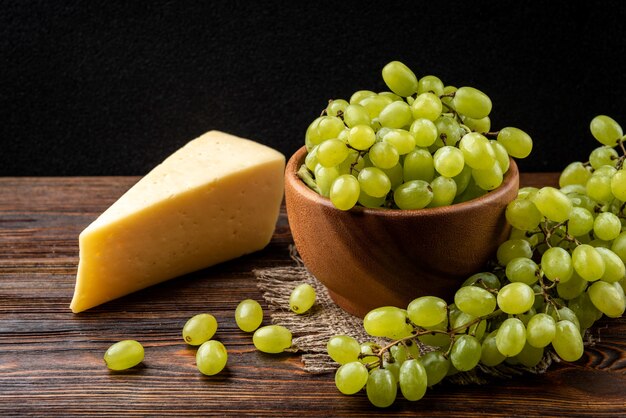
422,144
560,271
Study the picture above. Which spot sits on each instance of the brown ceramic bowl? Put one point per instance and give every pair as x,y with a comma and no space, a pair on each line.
368,258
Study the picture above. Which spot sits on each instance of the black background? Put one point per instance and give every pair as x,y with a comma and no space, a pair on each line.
112,88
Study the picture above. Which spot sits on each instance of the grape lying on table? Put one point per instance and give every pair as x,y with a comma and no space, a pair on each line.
422,144
560,271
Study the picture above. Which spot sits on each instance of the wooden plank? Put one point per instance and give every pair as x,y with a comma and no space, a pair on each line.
51,360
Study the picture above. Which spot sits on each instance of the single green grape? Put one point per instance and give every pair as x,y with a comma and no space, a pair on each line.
483,279
540,330
607,226
572,288
606,130
248,315
481,125
211,357
403,141
385,321
424,131
384,155
523,214
530,356
427,311
588,262
337,106
361,137
607,298
598,188
614,269
381,388
199,328
444,191
374,182
511,249
602,156
574,173
490,355
332,152
351,377
430,83
375,104
488,179
515,298
355,115
556,263
436,365
553,204
502,155
511,337
580,221
123,355
302,298
465,353
413,380
427,106
272,339
324,177
517,142
343,349
477,151
448,161
522,269
344,192
449,131
418,165
396,115
475,301
472,102
400,79
618,185
414,194
359,95
568,342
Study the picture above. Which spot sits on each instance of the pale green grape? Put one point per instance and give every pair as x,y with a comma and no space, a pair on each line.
481,125
427,311
580,222
355,115
567,341
248,315
424,131
618,185
400,79
430,83
530,356
402,140
606,130
490,178
367,353
211,357
395,175
419,165
436,366
527,192
427,106
396,115
413,380
444,191
465,353
302,298
353,163
556,264
619,246
361,137
381,388
607,298
393,366
123,355
332,152
607,226
490,355
324,177
475,301
448,161
414,194
384,321
344,192
574,173
511,337
572,288
463,179
599,188
375,104
515,298
517,142
523,214
272,339
437,339
399,353
384,155
336,107
540,330
351,377
343,349
513,248
605,170
311,159
390,95
552,204
522,269
477,152
326,127
502,155
447,101
614,269
602,156
483,279
374,182
449,130
566,313
472,102
588,262
199,328
359,95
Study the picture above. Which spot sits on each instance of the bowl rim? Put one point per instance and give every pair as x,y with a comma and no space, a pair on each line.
511,180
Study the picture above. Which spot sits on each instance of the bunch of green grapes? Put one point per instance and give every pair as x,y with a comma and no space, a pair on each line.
561,270
422,144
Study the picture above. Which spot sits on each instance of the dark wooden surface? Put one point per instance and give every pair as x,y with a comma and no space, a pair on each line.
51,360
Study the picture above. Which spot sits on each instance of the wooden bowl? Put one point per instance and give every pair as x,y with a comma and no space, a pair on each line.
368,258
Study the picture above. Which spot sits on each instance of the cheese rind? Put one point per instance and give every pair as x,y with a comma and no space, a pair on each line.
215,199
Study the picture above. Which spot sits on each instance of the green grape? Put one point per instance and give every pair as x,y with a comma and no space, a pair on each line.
354,163
311,158
523,214
605,170
402,140
427,106
413,380
211,357
527,192
618,185
511,337
481,125
419,165
414,194
436,339
607,226
502,156
394,367
367,353
396,115
384,155
427,311
381,388
123,355
351,377
568,342
515,298
400,79
336,107
444,191
448,161
343,349
447,100
619,246
374,182
465,353
272,339
332,152
588,262
602,156
424,131
302,298
430,83
599,188
522,269
574,173
477,152
399,353
530,356
385,321
556,264
513,248
490,178
483,279
361,137
199,328
390,95
375,104
606,130
475,301
614,269
607,298
490,355
540,330
344,192
395,175
324,177
436,365
568,314
472,102
449,130
463,179
572,288
355,115
580,222
552,204
359,95
517,142
248,315
585,311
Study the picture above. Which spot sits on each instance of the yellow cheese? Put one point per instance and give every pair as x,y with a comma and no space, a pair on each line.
215,199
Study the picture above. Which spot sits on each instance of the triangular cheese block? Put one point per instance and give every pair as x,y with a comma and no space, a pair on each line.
215,199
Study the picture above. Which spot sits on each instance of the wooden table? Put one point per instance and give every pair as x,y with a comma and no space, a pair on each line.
51,360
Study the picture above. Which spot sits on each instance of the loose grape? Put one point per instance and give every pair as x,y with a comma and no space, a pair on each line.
248,315
400,79
511,337
515,298
606,130
302,298
381,388
413,380
384,321
272,339
123,355
343,349
517,142
427,311
199,328
568,342
472,102
211,357
351,377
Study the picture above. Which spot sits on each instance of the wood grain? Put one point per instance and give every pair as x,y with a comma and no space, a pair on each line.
51,360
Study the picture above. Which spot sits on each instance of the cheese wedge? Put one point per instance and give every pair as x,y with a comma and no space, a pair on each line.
215,199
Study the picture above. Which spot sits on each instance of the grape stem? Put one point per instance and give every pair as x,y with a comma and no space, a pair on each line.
306,177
